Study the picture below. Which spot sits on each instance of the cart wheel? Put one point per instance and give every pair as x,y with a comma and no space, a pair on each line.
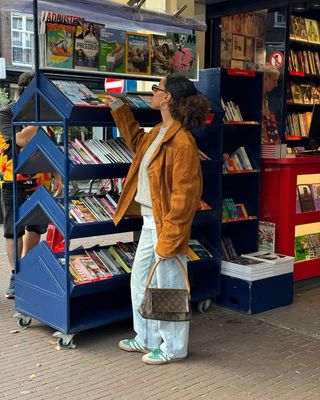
65,345
24,322
203,306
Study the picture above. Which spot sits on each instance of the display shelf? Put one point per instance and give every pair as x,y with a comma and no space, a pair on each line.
307,217
108,300
306,269
278,205
43,155
242,186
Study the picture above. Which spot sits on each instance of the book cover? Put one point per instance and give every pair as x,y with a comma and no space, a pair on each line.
138,53
249,49
260,25
78,93
296,92
238,47
299,30
249,24
197,248
226,23
298,204
306,198
266,236
301,248
87,45
270,132
184,59
60,39
315,190
162,55
226,45
112,50
312,30
268,257
237,24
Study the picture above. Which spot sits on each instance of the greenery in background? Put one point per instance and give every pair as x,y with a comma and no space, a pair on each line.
80,132
4,98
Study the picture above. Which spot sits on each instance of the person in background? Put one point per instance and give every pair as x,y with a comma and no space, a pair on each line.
164,185
271,77
26,184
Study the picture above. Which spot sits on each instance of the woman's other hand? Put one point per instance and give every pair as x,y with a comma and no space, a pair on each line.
108,100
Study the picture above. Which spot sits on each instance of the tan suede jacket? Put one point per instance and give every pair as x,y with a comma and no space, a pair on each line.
175,181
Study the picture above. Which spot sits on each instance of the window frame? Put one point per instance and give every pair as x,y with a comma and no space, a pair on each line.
23,32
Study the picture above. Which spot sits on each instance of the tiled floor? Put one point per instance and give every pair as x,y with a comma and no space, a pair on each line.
272,355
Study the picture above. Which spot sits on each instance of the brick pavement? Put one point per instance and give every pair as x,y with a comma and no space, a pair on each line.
232,356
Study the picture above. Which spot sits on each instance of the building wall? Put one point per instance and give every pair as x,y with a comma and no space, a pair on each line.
5,37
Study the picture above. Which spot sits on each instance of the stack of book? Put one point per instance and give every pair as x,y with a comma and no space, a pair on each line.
258,265
231,211
237,161
102,263
232,111
93,208
96,151
227,249
269,150
298,124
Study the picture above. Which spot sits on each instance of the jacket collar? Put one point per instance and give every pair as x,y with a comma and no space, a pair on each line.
174,128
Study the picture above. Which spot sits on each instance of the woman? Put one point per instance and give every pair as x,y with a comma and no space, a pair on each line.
164,185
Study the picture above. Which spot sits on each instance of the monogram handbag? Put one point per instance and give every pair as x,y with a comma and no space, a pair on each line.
166,304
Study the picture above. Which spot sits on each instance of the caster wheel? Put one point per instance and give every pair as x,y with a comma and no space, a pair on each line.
65,345
203,306
24,322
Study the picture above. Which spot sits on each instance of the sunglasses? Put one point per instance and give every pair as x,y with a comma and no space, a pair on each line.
155,88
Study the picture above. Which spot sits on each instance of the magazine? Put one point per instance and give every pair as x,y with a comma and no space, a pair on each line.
138,54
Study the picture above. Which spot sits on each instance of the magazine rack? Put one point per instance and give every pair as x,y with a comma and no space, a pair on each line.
44,289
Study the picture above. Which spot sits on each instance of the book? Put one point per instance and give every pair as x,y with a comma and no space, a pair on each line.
270,132
266,236
196,251
315,191
226,45
237,23
60,42
162,55
184,59
87,45
112,50
306,199
298,28
78,93
138,53
312,30
301,248
249,24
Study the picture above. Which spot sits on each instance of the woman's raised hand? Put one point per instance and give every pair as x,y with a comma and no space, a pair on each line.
109,100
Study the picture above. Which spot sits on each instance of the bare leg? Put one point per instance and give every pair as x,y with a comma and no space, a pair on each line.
30,240
9,246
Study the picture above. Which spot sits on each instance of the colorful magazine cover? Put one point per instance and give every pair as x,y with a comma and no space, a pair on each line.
112,50
78,93
162,55
60,45
138,53
87,45
185,56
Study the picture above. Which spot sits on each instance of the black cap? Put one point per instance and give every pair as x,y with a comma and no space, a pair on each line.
179,86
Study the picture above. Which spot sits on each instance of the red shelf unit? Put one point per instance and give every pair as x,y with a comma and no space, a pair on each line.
278,205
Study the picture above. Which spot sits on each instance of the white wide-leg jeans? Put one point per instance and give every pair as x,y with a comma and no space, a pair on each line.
171,337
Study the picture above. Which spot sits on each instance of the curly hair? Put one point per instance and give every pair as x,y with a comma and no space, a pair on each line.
24,80
191,111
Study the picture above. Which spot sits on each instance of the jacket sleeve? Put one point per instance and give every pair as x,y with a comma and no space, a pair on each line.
185,198
128,126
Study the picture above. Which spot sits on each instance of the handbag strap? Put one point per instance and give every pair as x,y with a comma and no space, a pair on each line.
181,266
